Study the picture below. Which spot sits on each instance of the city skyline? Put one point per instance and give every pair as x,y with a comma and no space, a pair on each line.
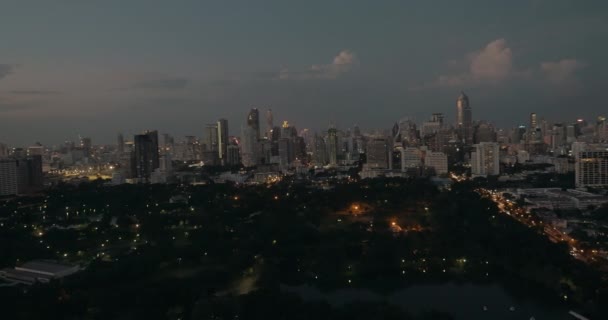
94,70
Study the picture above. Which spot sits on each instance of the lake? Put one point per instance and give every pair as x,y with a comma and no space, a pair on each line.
462,301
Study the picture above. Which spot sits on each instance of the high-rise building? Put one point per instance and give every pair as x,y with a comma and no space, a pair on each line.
232,155
484,132
86,144
378,153
485,159
211,137
269,124
332,146
3,151
8,177
591,167
436,160
253,121
145,155
120,143
319,151
601,129
411,158
464,119
222,139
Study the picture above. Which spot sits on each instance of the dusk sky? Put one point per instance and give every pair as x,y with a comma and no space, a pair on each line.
97,68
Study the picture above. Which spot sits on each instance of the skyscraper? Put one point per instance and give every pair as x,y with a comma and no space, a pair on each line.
332,146
8,177
145,155
120,143
485,159
465,119
378,153
253,121
211,137
222,139
269,123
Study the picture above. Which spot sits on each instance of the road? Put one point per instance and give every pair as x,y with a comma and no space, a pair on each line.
508,207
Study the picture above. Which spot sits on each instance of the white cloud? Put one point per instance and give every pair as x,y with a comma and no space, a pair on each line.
562,71
491,65
344,62
494,62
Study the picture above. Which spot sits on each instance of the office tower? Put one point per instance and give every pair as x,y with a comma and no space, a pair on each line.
145,155
464,119
332,146
432,126
601,130
319,151
378,153
168,143
86,144
570,133
411,158
248,146
436,160
8,177
232,155
211,137
269,123
533,121
485,159
120,143
558,136
591,166
253,121
37,150
3,151
222,139
408,133
285,151
484,132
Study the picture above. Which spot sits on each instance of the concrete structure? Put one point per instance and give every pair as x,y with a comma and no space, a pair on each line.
591,168
8,177
485,159
38,271
464,119
556,198
436,160
377,153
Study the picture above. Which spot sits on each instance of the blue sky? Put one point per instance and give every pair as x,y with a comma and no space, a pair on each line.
96,68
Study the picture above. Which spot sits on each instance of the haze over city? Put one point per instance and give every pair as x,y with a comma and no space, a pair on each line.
326,160
97,68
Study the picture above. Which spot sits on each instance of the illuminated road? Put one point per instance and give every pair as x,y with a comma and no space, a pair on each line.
509,208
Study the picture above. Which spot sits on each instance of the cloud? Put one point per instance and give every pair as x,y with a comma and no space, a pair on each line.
5,70
562,71
35,92
167,83
492,64
343,63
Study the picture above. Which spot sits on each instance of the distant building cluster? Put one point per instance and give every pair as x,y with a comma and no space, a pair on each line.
264,149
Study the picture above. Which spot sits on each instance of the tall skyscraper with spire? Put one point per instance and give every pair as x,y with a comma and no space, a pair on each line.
465,119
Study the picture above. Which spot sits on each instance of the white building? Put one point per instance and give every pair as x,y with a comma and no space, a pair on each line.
485,159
